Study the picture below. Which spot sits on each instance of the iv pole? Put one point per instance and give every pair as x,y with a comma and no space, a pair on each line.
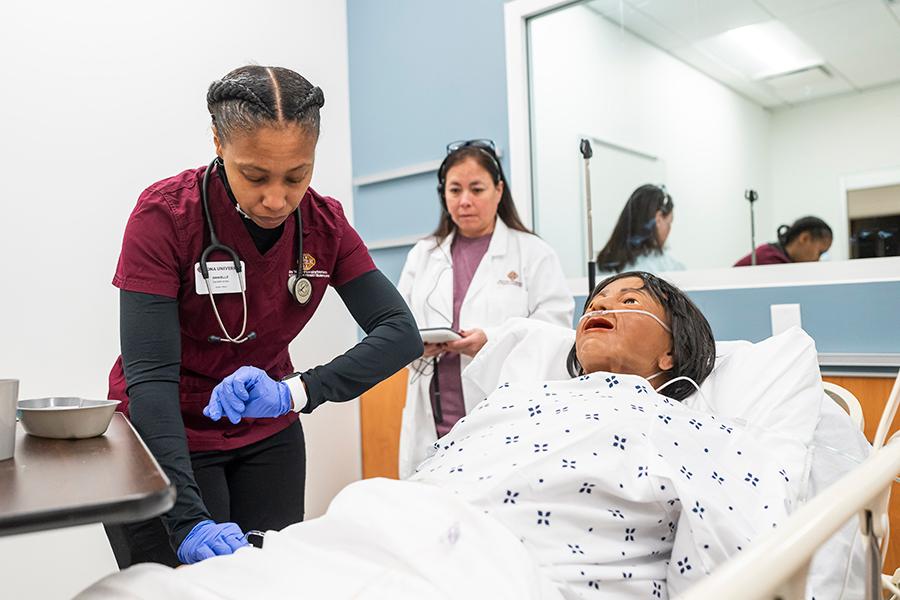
587,152
752,197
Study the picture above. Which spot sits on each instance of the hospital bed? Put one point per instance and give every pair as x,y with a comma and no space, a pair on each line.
773,386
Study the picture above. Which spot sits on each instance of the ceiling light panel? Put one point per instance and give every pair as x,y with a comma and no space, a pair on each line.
761,50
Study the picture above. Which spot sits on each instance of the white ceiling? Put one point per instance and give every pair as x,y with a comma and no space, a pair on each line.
859,39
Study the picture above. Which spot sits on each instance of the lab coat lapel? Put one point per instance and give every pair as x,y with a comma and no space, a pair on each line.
484,274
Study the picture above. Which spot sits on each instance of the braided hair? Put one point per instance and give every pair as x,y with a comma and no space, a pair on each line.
253,96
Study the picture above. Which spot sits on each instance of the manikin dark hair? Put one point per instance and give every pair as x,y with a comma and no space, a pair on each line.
816,227
635,232
693,346
506,210
251,97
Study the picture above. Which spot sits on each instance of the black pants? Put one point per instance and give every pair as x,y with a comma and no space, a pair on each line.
259,486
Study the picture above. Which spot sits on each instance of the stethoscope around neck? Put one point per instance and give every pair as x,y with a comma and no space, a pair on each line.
298,285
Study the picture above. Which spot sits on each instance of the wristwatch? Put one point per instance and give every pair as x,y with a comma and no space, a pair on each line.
299,398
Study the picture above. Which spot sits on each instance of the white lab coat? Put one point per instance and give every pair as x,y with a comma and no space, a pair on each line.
519,276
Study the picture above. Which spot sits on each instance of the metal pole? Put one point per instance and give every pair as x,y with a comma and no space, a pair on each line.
752,236
587,152
752,197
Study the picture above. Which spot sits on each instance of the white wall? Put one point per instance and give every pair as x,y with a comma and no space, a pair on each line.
814,145
100,99
589,77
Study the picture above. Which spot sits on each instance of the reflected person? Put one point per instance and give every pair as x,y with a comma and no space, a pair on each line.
804,241
638,241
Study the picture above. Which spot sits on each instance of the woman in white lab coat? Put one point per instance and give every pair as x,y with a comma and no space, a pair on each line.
480,267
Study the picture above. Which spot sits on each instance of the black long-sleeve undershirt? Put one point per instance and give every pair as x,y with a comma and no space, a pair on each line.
151,354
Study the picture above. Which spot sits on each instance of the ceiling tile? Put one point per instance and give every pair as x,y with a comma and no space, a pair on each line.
861,39
791,8
703,18
726,76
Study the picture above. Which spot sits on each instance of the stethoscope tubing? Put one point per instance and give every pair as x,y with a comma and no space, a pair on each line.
216,245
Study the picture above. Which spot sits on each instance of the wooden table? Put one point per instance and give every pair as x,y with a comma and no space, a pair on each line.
59,483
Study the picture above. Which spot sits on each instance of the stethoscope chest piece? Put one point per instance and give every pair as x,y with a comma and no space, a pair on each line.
300,288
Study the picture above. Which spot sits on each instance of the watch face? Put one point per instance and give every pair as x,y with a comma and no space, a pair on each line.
255,538
303,290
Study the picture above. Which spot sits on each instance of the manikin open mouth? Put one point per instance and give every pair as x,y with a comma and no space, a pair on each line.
598,323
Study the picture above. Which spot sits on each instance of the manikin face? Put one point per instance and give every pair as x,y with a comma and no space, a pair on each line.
628,343
472,198
269,170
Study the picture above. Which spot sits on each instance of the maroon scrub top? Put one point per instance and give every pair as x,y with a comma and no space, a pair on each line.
767,254
164,237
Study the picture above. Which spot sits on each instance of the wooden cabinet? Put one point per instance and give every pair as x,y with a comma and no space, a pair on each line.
380,410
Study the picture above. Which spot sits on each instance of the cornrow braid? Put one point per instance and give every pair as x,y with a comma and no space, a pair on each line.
225,91
315,98
252,96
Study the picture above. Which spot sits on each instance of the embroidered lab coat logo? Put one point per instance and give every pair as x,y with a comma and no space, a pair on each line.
512,278
309,261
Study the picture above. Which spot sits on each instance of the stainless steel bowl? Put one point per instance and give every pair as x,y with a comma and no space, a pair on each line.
66,418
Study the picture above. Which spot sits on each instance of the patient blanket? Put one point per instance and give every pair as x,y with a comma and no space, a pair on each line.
616,491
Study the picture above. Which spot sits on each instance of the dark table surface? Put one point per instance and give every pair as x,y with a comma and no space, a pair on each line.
58,483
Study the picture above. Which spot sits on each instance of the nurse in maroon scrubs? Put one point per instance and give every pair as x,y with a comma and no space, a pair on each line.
221,267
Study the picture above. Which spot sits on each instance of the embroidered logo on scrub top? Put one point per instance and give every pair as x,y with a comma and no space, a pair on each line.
309,263
512,278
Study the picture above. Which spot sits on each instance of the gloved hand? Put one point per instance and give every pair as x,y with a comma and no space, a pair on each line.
248,392
208,539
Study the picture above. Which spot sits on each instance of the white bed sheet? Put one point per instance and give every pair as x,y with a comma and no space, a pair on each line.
380,540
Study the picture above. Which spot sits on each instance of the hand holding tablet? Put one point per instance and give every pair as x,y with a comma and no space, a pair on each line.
439,335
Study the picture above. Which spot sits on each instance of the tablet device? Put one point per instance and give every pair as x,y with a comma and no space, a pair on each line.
439,335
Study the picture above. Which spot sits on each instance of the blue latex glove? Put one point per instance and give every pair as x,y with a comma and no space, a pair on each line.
248,392
208,539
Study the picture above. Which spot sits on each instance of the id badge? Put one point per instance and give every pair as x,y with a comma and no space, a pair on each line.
223,279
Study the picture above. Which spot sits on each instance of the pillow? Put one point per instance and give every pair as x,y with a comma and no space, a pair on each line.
774,384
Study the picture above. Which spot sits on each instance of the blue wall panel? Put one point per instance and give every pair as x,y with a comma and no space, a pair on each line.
390,261
841,318
422,73
398,208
